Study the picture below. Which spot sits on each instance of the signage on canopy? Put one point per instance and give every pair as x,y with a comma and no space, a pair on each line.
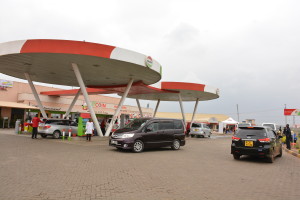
149,62
5,83
292,112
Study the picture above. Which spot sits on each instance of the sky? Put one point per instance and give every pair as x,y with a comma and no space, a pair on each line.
247,49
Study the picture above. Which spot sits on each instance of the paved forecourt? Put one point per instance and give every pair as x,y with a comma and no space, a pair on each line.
203,169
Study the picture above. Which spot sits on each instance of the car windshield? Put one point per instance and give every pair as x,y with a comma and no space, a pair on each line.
136,124
196,125
272,126
252,132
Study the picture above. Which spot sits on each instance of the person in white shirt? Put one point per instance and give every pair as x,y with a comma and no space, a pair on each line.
89,128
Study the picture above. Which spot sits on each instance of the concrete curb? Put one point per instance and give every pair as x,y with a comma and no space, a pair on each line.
292,152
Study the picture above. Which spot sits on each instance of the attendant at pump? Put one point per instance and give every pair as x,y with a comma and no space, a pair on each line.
35,125
89,128
288,135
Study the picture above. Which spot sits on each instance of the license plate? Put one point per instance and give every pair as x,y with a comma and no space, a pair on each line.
248,143
114,142
196,129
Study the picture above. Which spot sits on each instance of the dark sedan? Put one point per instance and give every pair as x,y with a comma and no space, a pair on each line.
256,141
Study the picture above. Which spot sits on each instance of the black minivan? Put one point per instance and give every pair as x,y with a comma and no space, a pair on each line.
256,141
149,133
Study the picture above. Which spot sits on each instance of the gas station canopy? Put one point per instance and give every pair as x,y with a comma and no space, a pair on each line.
49,61
188,92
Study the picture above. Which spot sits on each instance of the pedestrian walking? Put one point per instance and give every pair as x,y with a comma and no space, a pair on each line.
89,128
288,134
35,125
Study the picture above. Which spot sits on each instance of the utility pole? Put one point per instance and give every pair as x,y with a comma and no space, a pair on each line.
238,114
285,115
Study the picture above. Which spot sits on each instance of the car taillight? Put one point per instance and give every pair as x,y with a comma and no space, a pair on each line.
47,127
235,138
265,140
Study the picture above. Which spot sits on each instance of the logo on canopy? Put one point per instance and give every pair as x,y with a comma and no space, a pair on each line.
149,62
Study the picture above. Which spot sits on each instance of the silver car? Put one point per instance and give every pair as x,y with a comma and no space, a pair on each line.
55,127
200,130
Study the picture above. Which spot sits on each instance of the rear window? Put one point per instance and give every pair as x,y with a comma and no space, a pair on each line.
178,124
251,132
196,125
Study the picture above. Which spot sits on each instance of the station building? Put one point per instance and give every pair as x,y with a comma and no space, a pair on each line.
18,102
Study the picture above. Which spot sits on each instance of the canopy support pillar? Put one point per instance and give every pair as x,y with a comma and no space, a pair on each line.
72,104
119,107
181,107
86,97
139,105
195,108
36,96
157,104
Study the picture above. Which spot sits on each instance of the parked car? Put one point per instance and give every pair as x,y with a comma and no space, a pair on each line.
271,125
149,133
200,130
243,125
256,141
55,127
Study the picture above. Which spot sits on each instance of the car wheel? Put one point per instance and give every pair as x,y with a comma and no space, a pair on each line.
280,152
271,158
175,145
138,146
56,134
44,135
192,135
236,156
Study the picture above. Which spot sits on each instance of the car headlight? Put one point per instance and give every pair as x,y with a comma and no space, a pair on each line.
127,135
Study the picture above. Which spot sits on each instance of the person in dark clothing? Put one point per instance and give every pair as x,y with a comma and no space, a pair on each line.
288,135
35,125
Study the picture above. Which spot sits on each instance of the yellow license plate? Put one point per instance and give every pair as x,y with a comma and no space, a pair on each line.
248,143
196,129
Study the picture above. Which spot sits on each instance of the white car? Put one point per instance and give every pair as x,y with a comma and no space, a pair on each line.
271,125
200,130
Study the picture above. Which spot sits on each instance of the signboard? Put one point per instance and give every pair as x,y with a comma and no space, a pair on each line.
291,112
5,83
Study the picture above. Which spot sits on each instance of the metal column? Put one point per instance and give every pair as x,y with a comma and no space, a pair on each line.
157,104
73,103
139,105
86,97
195,108
119,107
181,107
36,96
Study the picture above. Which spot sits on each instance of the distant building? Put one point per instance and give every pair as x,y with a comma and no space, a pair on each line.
251,121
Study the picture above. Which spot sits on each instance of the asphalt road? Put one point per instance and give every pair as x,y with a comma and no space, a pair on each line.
203,169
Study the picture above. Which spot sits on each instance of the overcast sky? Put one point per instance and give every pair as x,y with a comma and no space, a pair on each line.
250,50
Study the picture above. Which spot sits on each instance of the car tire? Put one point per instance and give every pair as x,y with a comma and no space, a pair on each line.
280,152
56,134
192,135
175,144
270,158
44,135
138,146
236,156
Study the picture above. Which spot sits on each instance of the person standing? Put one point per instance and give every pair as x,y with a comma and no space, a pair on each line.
89,128
103,125
35,125
288,135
